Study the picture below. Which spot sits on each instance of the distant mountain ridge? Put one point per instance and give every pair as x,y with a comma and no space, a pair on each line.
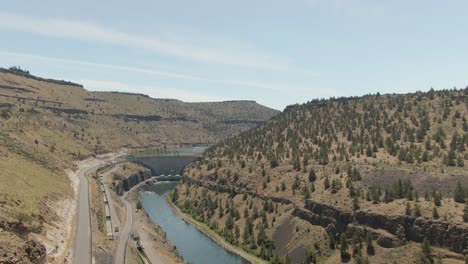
18,71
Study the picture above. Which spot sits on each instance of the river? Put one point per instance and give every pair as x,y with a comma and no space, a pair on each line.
194,246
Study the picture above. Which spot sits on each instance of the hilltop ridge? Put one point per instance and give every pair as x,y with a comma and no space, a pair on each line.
387,169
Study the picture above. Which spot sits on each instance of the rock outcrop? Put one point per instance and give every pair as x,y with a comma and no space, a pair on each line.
383,238
35,251
135,179
30,252
388,230
400,228
234,190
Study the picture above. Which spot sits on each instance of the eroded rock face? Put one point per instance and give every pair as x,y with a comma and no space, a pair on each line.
398,228
322,220
21,229
383,238
30,251
440,233
401,227
133,180
389,241
331,213
36,252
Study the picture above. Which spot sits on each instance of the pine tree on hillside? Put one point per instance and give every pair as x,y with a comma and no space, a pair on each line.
435,214
326,183
417,210
437,199
355,203
370,245
426,254
312,175
175,195
344,247
408,209
459,193
465,213
450,159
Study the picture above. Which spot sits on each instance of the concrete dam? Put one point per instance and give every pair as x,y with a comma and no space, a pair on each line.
163,165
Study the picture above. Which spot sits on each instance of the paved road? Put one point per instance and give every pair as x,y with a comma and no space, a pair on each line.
114,219
125,233
82,252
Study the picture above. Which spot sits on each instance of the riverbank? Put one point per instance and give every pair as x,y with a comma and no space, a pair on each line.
152,237
216,237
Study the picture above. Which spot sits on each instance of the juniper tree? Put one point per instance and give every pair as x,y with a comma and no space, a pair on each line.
465,213
426,256
326,183
459,194
370,246
417,210
355,203
435,214
437,199
312,175
408,209
344,246
311,257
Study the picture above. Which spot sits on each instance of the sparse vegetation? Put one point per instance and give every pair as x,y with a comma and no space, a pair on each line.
375,153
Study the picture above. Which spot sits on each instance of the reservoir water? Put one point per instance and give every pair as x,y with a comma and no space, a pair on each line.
194,246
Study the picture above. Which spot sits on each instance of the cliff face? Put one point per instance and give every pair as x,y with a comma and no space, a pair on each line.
400,228
405,228
135,179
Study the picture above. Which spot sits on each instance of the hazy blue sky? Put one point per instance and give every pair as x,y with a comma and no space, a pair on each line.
275,52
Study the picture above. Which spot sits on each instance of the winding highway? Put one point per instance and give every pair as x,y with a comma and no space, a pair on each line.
125,233
82,251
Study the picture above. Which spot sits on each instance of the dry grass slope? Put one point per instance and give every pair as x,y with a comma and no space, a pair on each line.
46,125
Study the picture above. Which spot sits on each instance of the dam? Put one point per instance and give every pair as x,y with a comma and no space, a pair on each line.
162,164
166,166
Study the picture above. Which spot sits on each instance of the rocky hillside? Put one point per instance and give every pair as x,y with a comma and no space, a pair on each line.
370,178
47,124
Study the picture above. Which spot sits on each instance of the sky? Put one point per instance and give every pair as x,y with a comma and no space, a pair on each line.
276,52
